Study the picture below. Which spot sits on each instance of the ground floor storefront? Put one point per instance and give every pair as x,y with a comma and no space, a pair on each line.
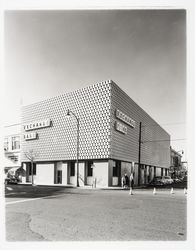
97,173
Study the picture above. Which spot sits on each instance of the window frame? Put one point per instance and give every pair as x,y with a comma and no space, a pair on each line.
116,167
89,169
72,168
15,142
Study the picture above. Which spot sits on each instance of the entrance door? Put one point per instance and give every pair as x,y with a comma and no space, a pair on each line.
161,171
59,176
116,173
29,171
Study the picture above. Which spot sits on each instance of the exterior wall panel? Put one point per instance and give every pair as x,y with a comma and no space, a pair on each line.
45,174
101,174
64,174
156,141
58,142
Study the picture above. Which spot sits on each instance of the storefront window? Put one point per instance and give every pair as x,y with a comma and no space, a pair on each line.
30,169
72,168
15,142
116,167
89,168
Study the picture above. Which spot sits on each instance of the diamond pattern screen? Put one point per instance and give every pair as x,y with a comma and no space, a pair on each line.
59,141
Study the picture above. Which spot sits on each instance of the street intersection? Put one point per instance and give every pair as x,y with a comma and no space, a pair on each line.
42,213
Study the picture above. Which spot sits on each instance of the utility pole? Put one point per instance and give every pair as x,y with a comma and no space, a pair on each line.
77,160
32,174
139,154
77,152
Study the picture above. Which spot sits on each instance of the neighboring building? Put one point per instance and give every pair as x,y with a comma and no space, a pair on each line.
12,146
184,167
109,139
176,164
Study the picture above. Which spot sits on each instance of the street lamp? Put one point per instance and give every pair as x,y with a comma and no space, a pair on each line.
69,112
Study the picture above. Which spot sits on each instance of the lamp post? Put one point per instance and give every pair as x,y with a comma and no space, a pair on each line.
69,112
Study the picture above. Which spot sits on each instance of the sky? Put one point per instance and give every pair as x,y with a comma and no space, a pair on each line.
47,53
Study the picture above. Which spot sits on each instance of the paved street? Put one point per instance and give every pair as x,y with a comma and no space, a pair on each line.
71,214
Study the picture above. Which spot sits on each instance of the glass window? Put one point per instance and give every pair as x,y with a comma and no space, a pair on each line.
34,168
15,142
72,168
89,168
6,144
116,167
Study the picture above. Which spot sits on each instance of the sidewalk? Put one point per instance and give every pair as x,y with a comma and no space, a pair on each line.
82,187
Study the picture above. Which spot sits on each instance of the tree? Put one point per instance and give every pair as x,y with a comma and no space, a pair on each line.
31,155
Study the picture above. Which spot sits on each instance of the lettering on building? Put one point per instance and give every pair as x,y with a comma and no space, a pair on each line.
30,136
123,117
121,128
37,124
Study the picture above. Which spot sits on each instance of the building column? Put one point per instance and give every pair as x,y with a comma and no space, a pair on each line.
81,174
64,173
154,172
25,169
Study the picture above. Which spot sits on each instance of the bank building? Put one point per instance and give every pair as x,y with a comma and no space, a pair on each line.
94,134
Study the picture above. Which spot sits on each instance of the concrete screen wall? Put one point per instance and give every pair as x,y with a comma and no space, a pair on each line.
155,145
58,141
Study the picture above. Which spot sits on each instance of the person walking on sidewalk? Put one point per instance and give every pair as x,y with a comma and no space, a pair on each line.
123,182
131,181
126,181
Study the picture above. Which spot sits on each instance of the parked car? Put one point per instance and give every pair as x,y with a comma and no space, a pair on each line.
167,180
157,181
161,180
177,180
11,179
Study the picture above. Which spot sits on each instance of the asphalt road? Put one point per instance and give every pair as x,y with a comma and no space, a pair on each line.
71,214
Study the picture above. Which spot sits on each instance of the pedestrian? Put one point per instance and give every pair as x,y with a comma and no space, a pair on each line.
126,181
123,182
131,181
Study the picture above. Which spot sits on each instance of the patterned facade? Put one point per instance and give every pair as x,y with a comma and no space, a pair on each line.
155,141
58,142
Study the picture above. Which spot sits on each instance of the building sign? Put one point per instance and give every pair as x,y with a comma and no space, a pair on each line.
37,124
30,136
121,128
120,115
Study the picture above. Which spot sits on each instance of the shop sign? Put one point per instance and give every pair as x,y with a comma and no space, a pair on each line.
120,115
121,128
30,136
37,124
